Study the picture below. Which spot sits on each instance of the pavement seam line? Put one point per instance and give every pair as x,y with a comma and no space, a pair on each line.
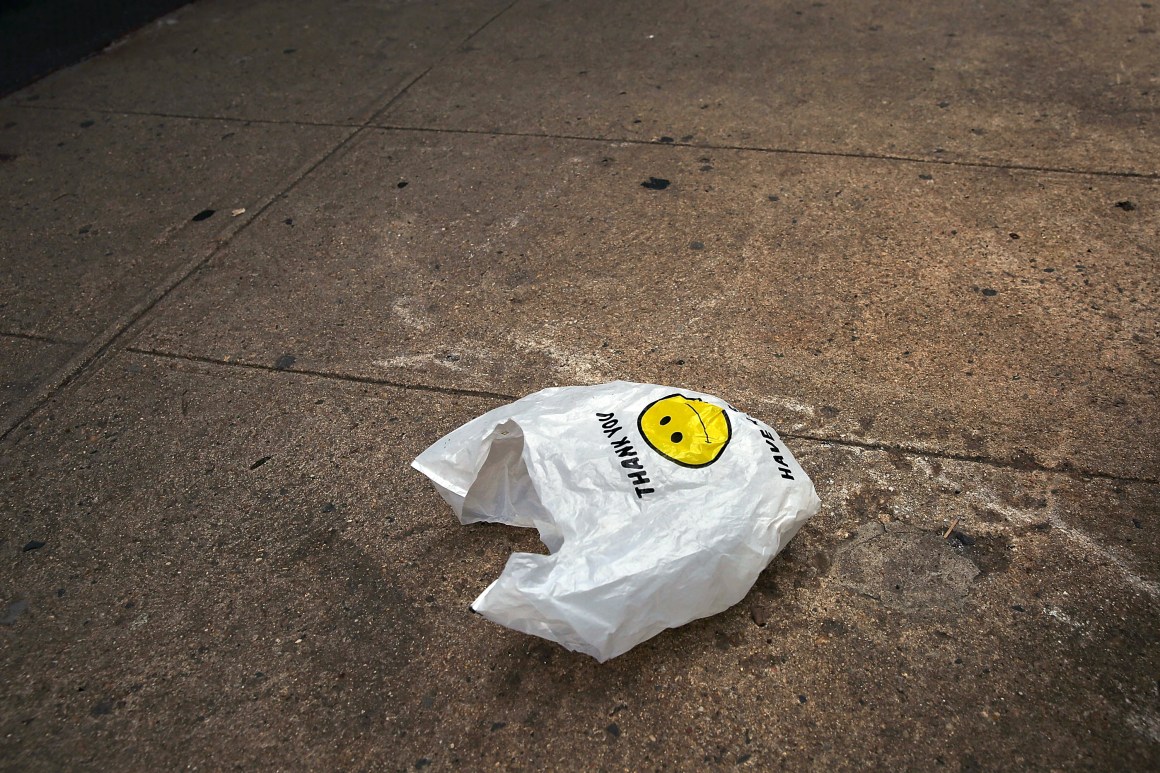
843,442
41,338
787,151
189,116
321,374
122,325
369,124
984,460
385,104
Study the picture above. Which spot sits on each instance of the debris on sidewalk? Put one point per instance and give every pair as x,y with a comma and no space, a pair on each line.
658,506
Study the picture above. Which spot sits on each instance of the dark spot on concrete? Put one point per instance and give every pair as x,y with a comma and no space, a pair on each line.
899,461
665,139
870,502
992,516
655,184
87,124
289,50
926,177
865,423
773,197
820,562
802,699
613,730
944,104
969,764
905,569
1049,270
284,362
687,138
989,292
978,132
8,156
260,462
1125,205
401,184
289,221
60,593
452,357
696,246
328,507
829,411
1044,526
958,539
498,726
744,758
33,545
761,660
205,214
678,362
1023,460
103,707
421,763
991,553
1013,235
834,628
1017,608
1136,522
13,612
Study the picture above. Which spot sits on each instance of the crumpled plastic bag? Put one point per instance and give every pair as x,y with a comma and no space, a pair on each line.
658,506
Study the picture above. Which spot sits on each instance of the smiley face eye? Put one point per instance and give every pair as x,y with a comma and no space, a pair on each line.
666,420
677,437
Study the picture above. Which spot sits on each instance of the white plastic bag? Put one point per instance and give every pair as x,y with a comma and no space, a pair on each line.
659,506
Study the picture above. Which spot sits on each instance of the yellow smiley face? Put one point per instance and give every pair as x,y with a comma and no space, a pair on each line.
685,430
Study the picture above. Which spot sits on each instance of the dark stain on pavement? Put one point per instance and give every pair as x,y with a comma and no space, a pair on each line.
905,569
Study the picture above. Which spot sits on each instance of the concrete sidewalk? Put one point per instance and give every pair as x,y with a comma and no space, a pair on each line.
259,255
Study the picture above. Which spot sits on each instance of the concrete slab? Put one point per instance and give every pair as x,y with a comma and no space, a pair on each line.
24,364
1068,85
276,60
99,208
239,569
988,314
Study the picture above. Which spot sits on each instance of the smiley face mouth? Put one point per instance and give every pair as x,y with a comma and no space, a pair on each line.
701,420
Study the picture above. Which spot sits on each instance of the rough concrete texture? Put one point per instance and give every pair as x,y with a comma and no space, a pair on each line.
275,60
25,363
99,208
213,553
964,313
1069,84
239,568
